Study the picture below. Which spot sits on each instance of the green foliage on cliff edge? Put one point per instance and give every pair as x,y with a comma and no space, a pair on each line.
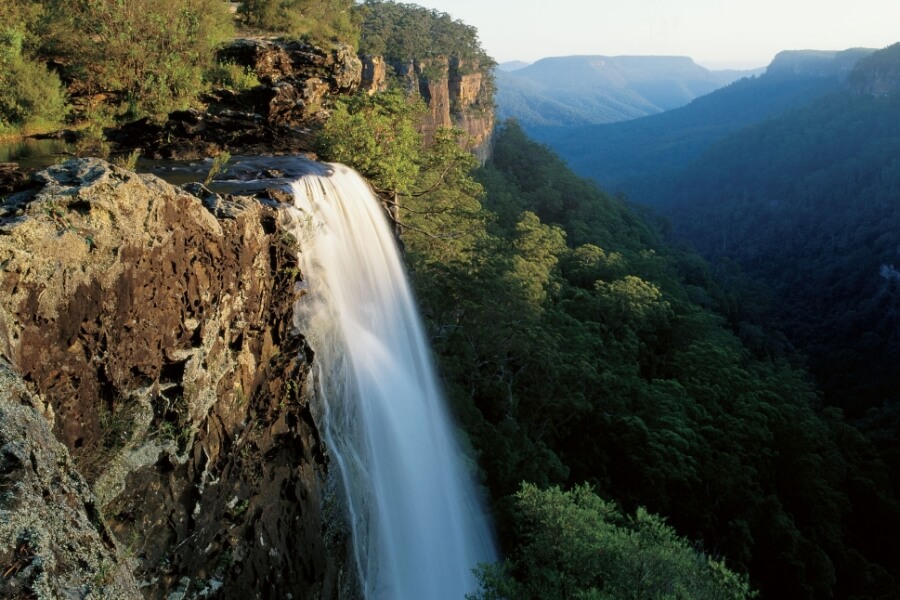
150,53
377,136
30,94
143,57
402,32
315,20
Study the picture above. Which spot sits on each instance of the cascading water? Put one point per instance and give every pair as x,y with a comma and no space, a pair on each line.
418,526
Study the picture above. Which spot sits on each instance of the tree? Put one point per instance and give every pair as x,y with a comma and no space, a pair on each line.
377,136
30,94
403,32
151,53
317,20
573,544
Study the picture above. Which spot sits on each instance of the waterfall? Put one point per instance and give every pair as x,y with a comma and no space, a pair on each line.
417,524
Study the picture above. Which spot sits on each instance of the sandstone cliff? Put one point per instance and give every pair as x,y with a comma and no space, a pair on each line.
151,333
299,83
458,93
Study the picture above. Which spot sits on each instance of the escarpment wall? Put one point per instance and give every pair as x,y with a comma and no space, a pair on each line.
155,339
458,93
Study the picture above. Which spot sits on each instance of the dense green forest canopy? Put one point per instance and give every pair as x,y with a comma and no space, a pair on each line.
799,212
807,202
401,32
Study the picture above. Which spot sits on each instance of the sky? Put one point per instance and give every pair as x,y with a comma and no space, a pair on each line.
715,33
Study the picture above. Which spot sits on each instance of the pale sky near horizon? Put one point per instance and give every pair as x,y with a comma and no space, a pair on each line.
715,33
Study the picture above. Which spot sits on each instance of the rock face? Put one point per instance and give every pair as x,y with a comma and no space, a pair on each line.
374,74
53,543
298,86
878,74
156,341
298,80
458,93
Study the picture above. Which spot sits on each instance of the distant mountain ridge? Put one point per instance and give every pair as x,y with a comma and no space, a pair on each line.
817,63
581,90
512,65
631,156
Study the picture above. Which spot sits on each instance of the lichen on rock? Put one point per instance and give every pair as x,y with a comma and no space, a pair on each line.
53,541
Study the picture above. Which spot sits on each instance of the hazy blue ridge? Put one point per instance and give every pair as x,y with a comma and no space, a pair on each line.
581,90
635,156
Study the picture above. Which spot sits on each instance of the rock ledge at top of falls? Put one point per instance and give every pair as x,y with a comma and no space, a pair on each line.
156,398
299,83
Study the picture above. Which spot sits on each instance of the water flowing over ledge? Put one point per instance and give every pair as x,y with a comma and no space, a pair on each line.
417,523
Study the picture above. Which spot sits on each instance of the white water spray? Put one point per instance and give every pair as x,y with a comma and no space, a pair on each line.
418,527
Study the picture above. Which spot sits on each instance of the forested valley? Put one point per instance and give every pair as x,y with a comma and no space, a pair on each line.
648,420
797,209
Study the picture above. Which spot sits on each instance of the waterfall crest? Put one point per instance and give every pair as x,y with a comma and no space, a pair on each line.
418,526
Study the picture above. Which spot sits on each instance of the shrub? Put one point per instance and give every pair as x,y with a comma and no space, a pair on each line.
153,52
575,545
232,76
30,93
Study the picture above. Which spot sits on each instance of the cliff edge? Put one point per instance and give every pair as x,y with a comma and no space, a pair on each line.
458,93
150,333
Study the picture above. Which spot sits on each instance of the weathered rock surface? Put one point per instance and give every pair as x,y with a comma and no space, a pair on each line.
374,74
458,93
53,542
299,81
156,340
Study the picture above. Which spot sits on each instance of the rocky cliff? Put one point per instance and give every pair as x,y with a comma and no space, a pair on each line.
458,93
878,74
299,83
149,332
